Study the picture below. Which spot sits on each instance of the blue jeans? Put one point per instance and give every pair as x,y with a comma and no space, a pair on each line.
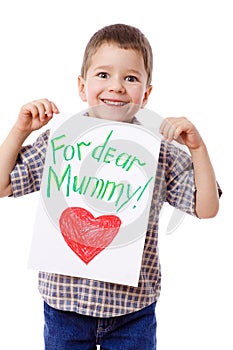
66,330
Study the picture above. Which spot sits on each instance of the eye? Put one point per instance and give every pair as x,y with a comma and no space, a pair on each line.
131,78
103,75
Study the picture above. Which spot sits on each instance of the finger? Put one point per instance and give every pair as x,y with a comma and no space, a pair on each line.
162,126
45,109
178,126
39,110
178,131
54,108
49,107
30,109
167,129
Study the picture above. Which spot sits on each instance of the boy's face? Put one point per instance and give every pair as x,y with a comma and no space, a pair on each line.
116,83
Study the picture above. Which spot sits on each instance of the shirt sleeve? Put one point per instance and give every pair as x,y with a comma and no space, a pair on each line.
180,190
27,173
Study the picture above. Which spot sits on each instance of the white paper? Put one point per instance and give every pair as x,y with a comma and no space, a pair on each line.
95,200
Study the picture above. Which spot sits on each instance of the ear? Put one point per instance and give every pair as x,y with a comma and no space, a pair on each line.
146,96
81,88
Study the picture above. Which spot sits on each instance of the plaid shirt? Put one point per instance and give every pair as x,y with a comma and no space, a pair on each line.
174,184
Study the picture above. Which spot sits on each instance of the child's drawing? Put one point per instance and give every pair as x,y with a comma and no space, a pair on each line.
86,235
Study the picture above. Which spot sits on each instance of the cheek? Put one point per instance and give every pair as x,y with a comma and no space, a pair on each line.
93,89
137,95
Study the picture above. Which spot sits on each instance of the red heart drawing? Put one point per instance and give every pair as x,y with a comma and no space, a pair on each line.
86,235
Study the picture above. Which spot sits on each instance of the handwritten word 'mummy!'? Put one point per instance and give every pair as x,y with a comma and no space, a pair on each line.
101,153
94,187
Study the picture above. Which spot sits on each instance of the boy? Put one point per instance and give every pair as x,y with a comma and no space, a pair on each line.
80,313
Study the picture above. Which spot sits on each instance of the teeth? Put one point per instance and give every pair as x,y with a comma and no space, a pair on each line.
114,103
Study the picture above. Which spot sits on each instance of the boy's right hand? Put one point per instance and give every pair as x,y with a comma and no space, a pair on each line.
35,114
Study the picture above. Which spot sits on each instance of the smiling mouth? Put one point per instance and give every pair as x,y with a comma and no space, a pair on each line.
114,103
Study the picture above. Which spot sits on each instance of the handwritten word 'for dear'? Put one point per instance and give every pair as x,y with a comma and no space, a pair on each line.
91,185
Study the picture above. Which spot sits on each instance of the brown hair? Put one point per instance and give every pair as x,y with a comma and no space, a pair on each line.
126,37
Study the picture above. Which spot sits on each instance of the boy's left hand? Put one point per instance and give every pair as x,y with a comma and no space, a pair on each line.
182,131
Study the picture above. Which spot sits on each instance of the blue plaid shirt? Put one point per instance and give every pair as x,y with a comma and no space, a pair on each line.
174,184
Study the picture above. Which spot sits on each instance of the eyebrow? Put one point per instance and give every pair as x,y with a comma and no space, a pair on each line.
106,67
103,67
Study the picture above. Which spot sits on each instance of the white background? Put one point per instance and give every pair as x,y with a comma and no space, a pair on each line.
42,43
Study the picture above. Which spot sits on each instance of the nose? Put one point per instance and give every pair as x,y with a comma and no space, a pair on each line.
116,85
